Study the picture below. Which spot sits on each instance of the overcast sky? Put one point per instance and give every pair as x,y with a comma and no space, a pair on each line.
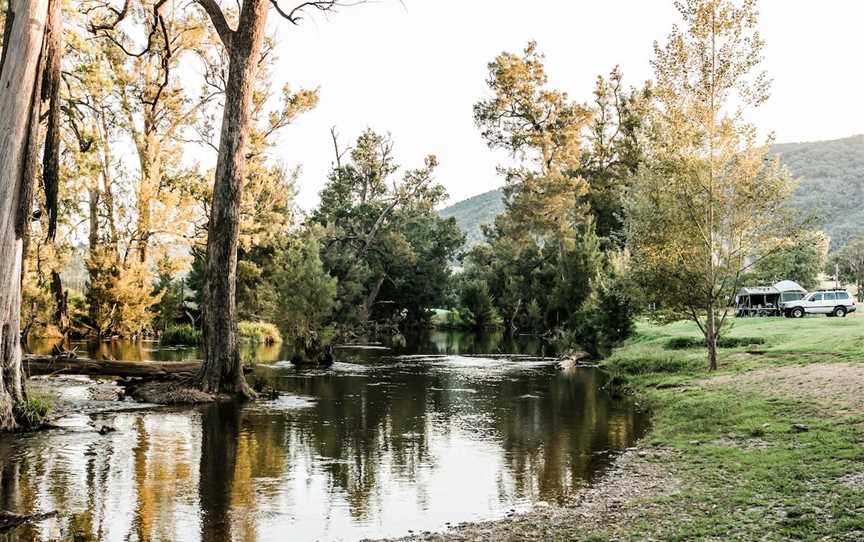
415,69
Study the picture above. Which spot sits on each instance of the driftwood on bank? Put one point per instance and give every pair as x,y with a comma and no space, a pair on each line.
44,365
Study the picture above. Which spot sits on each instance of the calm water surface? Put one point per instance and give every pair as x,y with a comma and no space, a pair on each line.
383,443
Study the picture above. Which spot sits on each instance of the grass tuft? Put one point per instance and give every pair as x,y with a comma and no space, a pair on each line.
33,412
259,333
181,335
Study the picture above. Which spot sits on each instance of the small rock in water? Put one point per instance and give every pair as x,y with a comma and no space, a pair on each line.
104,430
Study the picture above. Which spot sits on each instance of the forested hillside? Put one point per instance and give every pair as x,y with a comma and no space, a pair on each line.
831,177
473,213
831,185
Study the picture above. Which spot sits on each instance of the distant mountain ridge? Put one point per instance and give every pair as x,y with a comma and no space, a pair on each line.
831,185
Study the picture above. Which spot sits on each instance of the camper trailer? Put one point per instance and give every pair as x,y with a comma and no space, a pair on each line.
766,300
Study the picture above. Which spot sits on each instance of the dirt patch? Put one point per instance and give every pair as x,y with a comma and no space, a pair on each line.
853,481
742,443
839,386
630,490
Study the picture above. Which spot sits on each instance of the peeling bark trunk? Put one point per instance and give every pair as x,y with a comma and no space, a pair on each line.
61,302
221,371
108,181
151,171
20,89
93,234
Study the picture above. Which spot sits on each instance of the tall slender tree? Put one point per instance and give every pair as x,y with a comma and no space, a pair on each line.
710,202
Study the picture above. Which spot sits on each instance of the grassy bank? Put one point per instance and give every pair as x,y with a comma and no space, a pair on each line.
759,460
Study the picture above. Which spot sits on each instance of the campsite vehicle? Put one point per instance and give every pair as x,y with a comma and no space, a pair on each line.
829,302
767,300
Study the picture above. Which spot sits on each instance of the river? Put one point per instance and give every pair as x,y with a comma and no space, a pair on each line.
384,443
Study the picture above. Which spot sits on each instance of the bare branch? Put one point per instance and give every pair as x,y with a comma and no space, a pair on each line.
295,15
119,15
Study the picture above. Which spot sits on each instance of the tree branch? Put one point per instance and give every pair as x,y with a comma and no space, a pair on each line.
294,16
217,17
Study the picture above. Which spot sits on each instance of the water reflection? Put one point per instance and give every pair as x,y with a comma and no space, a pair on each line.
365,450
422,341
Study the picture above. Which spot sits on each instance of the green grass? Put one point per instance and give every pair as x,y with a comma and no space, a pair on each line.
259,333
33,412
181,335
749,474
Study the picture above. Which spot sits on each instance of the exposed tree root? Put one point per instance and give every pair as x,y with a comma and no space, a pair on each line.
169,393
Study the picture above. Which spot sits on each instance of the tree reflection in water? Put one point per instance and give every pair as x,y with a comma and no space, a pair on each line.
369,449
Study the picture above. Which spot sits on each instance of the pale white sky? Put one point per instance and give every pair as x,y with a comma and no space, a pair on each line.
415,70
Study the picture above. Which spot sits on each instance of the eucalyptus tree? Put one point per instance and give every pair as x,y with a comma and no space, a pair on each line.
29,74
154,109
221,371
542,128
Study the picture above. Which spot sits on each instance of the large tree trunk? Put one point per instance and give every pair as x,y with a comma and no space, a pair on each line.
20,80
221,371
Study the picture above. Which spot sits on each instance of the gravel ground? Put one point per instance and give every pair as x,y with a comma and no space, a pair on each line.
638,478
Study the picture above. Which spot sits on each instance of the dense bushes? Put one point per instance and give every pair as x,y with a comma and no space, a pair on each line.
259,332
648,363
682,343
180,335
253,332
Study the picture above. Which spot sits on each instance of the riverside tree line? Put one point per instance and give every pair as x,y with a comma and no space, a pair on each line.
660,194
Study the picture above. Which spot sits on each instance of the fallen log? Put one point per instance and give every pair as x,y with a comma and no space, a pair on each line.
46,365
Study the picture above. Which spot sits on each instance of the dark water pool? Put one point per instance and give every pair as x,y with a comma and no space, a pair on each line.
380,445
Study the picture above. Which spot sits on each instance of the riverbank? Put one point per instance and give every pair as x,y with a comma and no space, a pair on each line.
770,447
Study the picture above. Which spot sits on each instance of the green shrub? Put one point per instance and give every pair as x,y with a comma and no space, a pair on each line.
683,343
735,342
455,319
181,335
648,364
259,332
